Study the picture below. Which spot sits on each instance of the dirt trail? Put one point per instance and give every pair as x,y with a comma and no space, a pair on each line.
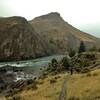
63,93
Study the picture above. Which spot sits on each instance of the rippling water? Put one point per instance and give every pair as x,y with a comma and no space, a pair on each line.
32,63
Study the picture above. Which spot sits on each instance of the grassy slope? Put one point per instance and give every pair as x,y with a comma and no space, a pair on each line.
85,86
45,91
79,87
2,98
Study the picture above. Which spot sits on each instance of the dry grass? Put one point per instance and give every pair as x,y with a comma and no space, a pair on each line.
46,90
79,87
85,87
2,98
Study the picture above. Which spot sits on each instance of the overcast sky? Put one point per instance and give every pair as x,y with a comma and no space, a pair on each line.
83,14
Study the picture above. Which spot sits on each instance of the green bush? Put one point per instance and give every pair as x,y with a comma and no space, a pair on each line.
65,63
29,81
90,56
15,97
85,70
72,52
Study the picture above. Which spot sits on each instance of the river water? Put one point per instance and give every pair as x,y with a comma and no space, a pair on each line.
32,63
31,67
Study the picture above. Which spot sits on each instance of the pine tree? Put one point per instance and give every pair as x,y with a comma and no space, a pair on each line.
82,47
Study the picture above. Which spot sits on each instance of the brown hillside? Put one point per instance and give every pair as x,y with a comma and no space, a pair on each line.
18,40
60,35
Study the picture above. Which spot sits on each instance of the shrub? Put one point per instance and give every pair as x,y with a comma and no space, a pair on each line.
85,70
88,74
78,69
74,98
72,52
32,86
90,56
95,74
17,97
54,61
65,63
56,77
56,67
52,81
41,82
29,81
53,65
35,78
41,69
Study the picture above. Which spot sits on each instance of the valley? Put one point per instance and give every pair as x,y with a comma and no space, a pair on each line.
47,59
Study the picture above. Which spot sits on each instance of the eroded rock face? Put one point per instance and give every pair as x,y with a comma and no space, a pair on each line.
18,40
60,35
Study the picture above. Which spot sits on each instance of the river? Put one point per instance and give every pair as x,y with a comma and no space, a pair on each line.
39,62
31,68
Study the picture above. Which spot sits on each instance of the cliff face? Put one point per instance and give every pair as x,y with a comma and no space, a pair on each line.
18,40
60,35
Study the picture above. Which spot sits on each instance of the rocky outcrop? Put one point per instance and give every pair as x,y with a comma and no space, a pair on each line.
18,40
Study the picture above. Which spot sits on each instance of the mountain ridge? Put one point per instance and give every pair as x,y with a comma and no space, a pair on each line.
52,23
44,35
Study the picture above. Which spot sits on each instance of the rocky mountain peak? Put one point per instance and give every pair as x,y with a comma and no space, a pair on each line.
52,14
49,16
59,34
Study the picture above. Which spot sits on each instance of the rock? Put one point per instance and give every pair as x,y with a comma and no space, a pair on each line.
18,40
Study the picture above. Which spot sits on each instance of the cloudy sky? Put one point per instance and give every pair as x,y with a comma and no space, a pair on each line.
83,14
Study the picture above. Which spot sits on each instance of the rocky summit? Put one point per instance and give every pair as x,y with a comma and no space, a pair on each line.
60,35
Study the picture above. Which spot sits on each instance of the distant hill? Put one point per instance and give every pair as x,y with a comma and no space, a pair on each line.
60,35
18,40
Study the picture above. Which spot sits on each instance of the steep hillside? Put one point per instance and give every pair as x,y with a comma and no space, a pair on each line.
60,35
18,40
